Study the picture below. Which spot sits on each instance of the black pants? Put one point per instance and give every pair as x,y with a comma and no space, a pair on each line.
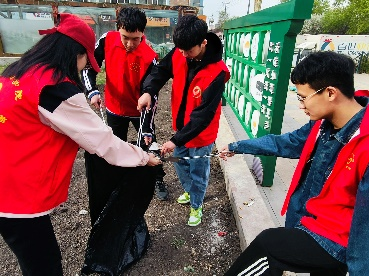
33,242
281,249
120,125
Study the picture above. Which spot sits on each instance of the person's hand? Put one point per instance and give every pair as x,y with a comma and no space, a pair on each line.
224,153
167,147
153,160
96,101
144,102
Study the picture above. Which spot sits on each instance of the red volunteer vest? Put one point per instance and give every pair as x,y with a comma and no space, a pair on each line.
333,208
199,84
36,161
124,73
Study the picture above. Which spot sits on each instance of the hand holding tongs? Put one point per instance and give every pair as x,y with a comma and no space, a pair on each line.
177,159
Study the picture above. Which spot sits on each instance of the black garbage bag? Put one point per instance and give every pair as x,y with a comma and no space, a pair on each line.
119,198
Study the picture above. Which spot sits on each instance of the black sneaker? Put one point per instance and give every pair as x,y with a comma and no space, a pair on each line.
160,190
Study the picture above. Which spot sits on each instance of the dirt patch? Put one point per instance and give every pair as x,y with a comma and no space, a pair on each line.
176,249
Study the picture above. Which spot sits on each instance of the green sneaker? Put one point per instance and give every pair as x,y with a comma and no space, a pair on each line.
184,198
195,217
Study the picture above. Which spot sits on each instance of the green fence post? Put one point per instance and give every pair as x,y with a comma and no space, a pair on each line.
260,49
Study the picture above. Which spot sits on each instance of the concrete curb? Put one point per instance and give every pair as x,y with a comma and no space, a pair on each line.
242,190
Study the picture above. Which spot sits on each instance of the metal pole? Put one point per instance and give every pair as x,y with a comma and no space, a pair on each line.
248,7
225,6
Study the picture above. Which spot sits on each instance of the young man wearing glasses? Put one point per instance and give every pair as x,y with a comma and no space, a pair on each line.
327,228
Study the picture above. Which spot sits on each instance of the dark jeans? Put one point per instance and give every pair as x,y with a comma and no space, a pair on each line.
33,242
284,249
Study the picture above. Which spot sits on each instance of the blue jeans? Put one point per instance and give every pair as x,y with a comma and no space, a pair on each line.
194,173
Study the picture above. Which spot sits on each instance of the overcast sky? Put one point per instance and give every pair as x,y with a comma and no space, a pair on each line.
234,7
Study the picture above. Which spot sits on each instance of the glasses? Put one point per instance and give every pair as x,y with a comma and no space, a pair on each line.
303,99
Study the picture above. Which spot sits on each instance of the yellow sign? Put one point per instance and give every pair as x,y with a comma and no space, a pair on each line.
158,22
203,17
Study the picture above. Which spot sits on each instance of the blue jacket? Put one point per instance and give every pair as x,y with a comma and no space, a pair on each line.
290,145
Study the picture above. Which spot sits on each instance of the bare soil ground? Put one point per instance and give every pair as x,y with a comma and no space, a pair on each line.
176,249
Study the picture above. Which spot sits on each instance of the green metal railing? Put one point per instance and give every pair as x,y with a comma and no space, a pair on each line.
258,50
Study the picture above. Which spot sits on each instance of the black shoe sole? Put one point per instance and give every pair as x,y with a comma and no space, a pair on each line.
162,198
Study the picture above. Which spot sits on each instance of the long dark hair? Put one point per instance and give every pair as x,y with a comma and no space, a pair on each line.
54,51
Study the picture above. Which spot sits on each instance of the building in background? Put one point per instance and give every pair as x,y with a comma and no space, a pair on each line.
20,20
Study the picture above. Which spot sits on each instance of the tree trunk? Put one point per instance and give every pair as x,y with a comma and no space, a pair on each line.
257,5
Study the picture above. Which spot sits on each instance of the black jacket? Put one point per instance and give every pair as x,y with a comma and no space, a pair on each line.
201,116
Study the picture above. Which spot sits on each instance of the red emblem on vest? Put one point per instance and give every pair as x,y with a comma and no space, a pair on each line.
196,92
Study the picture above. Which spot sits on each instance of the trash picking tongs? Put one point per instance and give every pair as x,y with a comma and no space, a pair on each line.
177,159
152,147
139,133
257,169
142,120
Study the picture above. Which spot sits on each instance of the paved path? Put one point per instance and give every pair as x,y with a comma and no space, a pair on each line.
265,210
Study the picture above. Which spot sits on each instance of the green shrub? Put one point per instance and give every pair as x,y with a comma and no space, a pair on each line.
100,78
363,66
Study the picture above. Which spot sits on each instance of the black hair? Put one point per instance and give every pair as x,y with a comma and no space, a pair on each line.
54,51
190,32
326,68
131,19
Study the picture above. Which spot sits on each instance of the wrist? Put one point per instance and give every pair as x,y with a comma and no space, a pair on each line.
93,93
